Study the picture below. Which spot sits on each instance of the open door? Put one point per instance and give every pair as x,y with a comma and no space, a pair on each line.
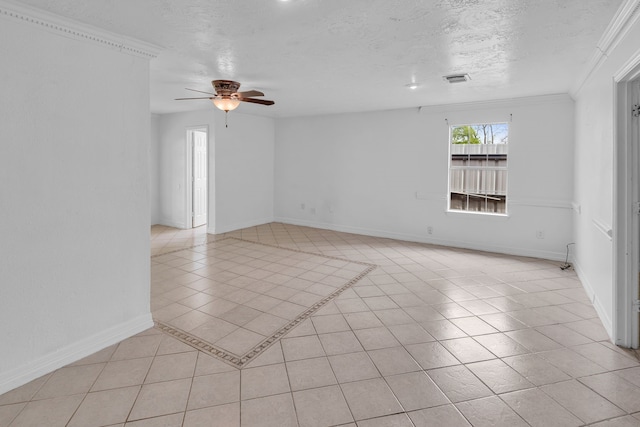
200,177
626,321
635,138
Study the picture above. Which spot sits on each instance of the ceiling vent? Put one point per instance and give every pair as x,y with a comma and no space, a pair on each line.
457,78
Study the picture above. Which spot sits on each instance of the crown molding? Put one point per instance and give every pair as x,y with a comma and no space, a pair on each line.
624,18
556,98
76,30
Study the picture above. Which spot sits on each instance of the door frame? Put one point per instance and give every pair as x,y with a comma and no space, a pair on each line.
188,202
626,221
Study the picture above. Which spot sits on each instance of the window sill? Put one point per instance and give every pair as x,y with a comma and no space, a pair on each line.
479,215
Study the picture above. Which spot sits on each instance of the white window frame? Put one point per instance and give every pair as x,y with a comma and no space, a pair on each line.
451,167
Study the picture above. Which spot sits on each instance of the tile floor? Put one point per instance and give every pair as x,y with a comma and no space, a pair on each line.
234,298
433,336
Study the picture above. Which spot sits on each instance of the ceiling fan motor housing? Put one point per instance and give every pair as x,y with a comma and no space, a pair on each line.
225,87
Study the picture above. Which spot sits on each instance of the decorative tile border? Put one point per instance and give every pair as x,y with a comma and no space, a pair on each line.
269,246
239,361
194,246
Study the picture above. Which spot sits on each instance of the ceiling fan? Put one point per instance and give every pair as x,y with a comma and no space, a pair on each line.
227,97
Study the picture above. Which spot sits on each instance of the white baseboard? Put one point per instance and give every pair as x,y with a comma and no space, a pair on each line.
171,223
534,253
225,228
602,313
72,353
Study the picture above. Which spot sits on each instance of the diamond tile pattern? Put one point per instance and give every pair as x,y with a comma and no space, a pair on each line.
251,293
432,336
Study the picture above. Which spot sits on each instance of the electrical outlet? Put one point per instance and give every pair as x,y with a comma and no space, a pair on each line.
313,211
302,206
540,234
429,230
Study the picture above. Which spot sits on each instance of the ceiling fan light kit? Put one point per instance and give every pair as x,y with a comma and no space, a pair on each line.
227,97
225,104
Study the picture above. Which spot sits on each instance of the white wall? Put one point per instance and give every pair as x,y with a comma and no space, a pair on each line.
240,169
385,174
244,181
154,170
594,175
74,201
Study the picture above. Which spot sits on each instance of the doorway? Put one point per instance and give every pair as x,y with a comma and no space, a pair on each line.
626,322
635,138
198,176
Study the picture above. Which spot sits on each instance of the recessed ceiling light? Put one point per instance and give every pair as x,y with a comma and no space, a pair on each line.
457,78
412,85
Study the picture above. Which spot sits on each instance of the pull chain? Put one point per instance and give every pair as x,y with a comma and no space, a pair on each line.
225,119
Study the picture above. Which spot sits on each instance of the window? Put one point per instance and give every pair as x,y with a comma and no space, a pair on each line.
478,168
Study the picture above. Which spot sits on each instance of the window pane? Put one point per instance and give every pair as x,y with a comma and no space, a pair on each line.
478,167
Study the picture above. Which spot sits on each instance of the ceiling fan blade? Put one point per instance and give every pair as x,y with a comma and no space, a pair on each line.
194,90
257,101
249,93
204,97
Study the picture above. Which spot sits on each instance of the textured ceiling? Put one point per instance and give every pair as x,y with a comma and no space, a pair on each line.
331,56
